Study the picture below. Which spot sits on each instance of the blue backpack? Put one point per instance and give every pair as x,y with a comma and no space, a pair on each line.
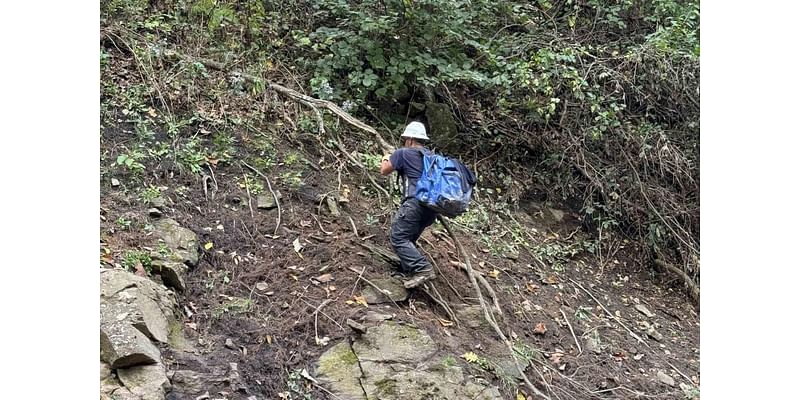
445,185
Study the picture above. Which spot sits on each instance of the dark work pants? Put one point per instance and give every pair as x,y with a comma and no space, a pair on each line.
410,220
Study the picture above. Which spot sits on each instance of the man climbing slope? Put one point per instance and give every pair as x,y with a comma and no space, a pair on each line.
412,217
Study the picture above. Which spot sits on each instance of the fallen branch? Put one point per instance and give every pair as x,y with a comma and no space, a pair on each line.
694,291
484,283
486,314
437,298
382,254
317,340
274,196
614,317
353,224
293,94
580,351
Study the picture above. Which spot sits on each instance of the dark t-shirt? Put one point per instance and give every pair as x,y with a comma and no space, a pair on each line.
407,162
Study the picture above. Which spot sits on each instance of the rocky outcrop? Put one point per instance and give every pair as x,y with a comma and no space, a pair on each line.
135,312
147,382
392,362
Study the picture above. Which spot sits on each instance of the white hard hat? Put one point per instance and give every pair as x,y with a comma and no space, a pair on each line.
415,130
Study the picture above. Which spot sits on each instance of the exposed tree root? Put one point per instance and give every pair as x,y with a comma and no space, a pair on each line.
486,313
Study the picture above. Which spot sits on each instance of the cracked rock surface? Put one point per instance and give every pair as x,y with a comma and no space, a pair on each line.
393,361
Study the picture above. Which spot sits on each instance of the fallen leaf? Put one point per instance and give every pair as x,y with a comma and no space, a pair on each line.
619,356
208,246
638,356
324,278
269,339
445,322
521,396
360,300
470,357
297,247
305,223
262,286
550,280
531,287
494,273
555,358
540,328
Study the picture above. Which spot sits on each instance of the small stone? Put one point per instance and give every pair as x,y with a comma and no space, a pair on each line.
266,201
360,328
262,286
285,305
653,333
373,316
558,215
229,344
158,202
642,309
665,379
155,213
114,182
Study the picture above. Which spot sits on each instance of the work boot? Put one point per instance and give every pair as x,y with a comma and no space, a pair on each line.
419,277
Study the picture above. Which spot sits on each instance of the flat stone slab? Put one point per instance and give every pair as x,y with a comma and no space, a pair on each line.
395,287
396,362
392,342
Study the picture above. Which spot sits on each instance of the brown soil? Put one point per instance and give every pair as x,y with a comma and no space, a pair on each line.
275,334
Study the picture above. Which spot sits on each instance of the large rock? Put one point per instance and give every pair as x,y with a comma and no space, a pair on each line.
133,310
394,362
122,345
441,123
392,342
138,301
173,273
182,242
339,369
148,382
397,291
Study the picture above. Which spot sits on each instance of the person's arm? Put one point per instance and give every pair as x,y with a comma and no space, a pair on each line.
388,165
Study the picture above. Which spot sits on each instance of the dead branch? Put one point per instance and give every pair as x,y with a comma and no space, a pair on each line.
292,94
614,317
274,196
437,298
694,291
577,343
382,254
484,283
353,224
487,315
316,314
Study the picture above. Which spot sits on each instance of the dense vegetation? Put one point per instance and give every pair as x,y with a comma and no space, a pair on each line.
593,103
